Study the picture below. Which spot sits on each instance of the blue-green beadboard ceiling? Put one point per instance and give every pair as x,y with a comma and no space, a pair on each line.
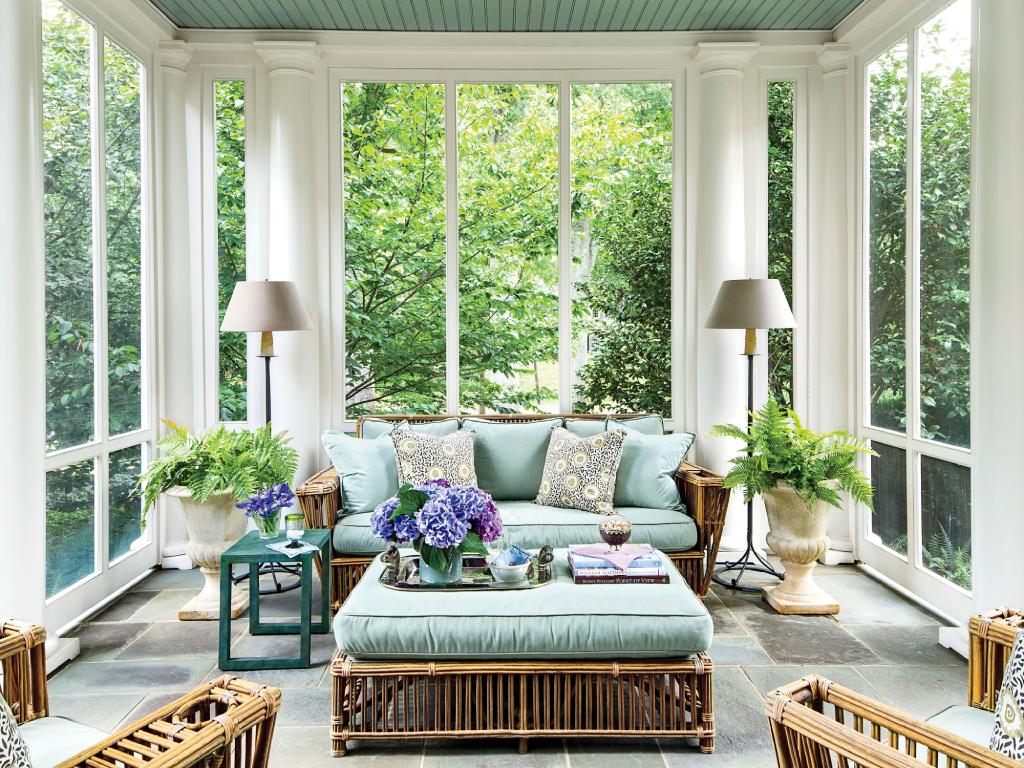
507,15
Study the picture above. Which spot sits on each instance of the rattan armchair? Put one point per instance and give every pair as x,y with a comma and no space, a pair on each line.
226,722
817,723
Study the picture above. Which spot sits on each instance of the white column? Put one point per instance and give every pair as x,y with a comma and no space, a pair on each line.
293,239
177,371
830,277
996,307
722,373
22,387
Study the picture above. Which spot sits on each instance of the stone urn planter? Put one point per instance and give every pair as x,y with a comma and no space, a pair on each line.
213,526
798,536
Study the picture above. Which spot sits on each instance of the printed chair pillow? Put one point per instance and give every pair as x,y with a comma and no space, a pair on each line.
13,750
422,457
579,472
1008,729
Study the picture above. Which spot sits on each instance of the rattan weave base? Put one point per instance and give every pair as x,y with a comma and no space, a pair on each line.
661,698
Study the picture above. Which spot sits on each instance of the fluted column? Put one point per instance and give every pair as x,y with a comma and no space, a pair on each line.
831,273
996,307
721,375
22,387
180,382
293,238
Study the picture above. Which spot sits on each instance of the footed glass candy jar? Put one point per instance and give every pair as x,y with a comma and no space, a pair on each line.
615,531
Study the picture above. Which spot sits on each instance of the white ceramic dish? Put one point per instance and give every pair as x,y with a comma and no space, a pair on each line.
509,573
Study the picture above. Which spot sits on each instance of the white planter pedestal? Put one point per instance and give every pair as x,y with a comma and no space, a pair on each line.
798,536
213,526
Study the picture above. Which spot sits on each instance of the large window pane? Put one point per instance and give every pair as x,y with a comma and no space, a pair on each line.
70,525
122,117
944,55
889,477
946,520
394,197
67,147
229,130
622,246
781,111
508,246
125,506
887,236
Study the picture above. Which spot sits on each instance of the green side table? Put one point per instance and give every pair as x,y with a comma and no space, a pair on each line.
253,550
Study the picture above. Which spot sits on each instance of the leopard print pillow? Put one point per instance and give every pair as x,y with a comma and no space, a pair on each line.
579,472
1008,729
421,457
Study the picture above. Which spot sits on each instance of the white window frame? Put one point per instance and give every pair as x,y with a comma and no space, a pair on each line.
564,79
908,570
64,607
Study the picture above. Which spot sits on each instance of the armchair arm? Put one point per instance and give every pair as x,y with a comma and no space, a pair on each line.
23,663
230,716
707,500
320,498
817,722
992,635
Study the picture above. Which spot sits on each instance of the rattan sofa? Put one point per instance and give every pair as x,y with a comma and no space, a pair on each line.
816,723
701,491
226,722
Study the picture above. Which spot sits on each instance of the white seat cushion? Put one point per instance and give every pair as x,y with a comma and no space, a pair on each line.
52,740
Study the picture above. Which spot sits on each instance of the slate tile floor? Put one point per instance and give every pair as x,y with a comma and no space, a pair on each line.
136,656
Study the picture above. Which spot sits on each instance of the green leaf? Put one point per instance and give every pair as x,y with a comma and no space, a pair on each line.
434,557
473,544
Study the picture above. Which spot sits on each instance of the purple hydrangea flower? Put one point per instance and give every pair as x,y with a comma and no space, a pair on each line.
380,520
447,515
441,524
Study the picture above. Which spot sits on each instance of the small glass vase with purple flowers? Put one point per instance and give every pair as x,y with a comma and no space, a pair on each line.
264,508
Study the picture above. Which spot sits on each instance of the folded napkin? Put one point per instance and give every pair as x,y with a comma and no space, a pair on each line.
621,559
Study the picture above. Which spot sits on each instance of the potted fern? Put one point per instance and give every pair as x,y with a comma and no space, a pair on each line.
208,474
800,474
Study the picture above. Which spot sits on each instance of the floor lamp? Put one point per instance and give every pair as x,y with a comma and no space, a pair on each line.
266,306
749,305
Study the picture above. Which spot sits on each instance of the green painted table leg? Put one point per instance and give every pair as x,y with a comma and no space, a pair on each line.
224,632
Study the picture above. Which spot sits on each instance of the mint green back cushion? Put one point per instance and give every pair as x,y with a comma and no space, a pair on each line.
649,425
561,620
366,468
585,427
509,458
647,469
371,429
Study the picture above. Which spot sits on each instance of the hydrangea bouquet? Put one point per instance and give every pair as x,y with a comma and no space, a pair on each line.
440,521
264,507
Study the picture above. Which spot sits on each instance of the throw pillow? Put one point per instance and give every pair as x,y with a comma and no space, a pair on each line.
586,427
579,472
366,469
648,467
373,428
509,458
649,425
429,457
13,750
1008,729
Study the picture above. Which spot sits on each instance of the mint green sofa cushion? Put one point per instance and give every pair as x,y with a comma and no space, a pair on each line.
966,722
52,740
585,427
649,425
647,469
371,429
532,526
562,620
366,468
509,458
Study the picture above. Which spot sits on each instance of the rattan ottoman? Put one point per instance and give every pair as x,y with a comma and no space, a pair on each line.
561,660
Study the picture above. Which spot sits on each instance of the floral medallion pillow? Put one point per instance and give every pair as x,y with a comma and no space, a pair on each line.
421,457
1008,729
579,472
13,750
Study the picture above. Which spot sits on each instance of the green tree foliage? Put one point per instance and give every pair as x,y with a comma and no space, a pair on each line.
781,105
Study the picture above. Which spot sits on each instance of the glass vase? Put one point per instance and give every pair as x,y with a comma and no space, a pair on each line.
269,526
449,575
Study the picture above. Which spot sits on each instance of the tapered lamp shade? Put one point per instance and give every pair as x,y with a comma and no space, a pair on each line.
265,305
750,304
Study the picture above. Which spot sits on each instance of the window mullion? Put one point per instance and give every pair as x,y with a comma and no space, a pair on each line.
565,281
451,199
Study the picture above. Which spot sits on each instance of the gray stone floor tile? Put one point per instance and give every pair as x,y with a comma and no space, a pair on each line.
616,753
866,601
807,640
102,642
129,676
487,753
128,604
150,703
906,645
306,706
285,679
165,606
167,639
172,578
922,691
730,651
724,620
310,747
103,711
321,647
768,678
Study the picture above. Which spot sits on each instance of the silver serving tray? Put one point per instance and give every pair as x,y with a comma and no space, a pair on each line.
476,575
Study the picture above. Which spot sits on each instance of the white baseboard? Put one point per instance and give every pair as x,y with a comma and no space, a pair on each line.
954,638
177,562
60,650
836,557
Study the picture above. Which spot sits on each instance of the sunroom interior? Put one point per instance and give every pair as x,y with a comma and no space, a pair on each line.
510,208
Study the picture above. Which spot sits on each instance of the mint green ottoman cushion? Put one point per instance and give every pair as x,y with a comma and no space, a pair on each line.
366,469
509,458
532,526
52,740
371,429
562,620
647,469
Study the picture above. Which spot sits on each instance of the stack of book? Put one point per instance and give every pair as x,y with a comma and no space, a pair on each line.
646,568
